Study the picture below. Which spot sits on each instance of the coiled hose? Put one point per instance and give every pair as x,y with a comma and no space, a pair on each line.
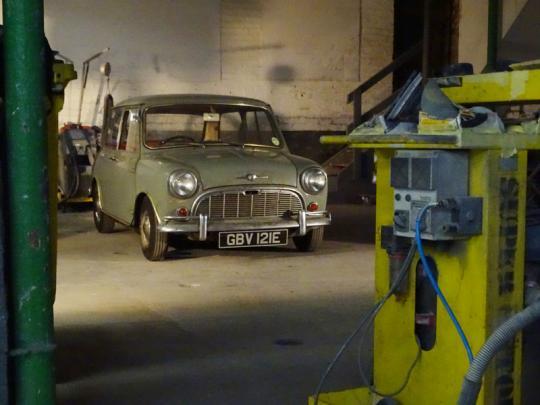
502,335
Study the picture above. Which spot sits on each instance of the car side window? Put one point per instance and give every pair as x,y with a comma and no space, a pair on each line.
124,131
111,136
258,129
132,144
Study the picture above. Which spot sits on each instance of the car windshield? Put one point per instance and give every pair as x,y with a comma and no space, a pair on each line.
210,124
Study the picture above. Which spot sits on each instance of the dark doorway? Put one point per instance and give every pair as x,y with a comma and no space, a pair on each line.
443,18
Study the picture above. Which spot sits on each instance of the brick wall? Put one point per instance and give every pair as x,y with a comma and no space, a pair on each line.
376,47
241,39
473,28
302,56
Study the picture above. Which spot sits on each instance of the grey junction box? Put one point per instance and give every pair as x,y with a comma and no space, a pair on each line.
434,176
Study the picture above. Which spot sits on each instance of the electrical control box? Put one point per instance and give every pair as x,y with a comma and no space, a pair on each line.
434,176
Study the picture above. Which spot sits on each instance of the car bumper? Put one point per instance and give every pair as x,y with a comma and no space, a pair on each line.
202,225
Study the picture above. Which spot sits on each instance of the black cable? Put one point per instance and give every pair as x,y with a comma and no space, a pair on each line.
362,372
372,312
370,386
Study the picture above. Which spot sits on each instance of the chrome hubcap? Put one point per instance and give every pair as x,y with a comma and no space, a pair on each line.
145,230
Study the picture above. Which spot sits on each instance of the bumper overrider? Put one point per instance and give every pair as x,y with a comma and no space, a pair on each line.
300,224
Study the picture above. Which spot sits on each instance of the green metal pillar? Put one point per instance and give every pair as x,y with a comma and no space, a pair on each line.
27,204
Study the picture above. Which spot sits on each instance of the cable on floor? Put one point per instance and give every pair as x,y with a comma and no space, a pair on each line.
372,312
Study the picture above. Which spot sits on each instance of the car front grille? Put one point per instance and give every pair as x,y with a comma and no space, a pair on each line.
248,204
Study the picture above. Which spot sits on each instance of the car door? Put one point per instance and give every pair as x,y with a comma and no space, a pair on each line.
105,167
126,158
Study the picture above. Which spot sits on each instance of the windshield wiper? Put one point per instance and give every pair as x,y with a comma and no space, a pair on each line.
187,140
257,145
177,145
219,143
240,145
202,145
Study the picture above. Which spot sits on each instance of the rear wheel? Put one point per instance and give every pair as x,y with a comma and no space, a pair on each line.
154,243
310,241
103,222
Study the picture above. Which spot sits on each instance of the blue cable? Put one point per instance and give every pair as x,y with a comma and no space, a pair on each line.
434,284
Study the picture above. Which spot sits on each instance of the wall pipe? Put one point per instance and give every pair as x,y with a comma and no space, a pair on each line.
494,34
28,253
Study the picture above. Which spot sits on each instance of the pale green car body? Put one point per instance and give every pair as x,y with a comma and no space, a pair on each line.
125,175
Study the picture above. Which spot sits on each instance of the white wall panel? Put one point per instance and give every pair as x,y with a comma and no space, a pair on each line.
301,56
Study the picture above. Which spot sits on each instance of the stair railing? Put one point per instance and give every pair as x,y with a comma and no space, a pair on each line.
355,96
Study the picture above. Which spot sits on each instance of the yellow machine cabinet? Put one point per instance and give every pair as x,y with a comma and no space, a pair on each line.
482,278
63,73
482,275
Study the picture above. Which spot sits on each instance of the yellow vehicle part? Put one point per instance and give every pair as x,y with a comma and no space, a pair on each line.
63,73
80,200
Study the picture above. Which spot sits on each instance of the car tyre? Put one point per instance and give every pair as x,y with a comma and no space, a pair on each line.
154,243
103,222
311,241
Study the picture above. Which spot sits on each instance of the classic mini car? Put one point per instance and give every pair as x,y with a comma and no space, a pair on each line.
207,167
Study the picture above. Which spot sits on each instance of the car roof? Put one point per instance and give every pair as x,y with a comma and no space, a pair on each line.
168,99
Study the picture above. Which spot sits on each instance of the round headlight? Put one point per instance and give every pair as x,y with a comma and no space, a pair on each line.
313,180
182,184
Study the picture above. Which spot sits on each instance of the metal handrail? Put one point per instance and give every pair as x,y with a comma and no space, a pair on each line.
356,95
385,71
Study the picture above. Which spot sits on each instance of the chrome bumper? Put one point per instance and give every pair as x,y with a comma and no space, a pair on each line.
201,225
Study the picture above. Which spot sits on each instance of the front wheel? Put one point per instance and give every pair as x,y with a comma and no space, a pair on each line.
310,241
103,222
154,243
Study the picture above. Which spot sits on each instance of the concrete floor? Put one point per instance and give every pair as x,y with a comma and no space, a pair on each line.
210,326
205,326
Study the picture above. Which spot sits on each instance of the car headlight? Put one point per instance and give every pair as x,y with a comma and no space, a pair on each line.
313,180
183,183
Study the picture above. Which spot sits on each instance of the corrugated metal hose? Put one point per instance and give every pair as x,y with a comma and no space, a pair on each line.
502,335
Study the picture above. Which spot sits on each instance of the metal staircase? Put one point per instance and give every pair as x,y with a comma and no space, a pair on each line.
336,165
339,165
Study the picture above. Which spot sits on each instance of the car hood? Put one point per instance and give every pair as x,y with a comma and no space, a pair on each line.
228,166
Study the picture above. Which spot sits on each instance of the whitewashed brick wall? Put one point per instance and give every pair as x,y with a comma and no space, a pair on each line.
302,56
376,47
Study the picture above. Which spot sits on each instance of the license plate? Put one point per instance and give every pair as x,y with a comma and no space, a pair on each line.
276,237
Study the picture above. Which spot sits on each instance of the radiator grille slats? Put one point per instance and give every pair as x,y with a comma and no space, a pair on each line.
233,204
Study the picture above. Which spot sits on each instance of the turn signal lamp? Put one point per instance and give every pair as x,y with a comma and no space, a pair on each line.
313,206
182,212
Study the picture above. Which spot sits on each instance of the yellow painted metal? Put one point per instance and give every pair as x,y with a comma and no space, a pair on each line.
482,276
63,73
335,140
500,87
465,140
472,275
80,200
